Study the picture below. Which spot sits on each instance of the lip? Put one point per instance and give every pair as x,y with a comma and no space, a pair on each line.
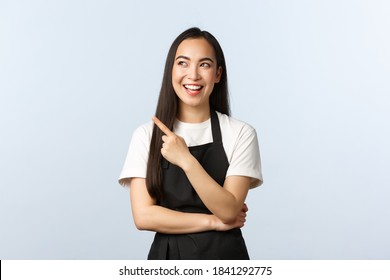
193,92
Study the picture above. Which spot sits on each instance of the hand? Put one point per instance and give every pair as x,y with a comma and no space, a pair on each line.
238,223
174,148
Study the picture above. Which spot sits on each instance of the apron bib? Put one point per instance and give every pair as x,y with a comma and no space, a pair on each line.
179,195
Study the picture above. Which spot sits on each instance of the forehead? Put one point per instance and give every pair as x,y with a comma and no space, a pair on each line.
195,48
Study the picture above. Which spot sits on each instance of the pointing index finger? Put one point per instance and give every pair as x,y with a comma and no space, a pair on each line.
162,126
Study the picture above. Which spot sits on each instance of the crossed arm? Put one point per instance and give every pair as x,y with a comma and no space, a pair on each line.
226,204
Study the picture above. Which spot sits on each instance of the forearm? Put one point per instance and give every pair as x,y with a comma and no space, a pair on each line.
160,219
217,199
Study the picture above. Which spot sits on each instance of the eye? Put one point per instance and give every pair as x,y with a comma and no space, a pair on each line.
205,65
182,63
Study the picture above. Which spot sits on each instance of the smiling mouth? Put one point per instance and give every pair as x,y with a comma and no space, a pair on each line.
193,87
193,90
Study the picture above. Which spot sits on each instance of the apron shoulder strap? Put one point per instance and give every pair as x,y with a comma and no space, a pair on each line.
215,127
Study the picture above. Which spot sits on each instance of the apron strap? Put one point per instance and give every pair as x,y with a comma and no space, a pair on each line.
215,127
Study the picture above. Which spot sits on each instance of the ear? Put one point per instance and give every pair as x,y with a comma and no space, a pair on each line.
218,74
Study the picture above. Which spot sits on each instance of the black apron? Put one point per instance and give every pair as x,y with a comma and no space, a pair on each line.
179,195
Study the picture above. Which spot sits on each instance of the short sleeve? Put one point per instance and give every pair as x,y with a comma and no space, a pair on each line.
137,156
245,160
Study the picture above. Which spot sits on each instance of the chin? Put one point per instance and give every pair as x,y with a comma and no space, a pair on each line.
193,101
192,104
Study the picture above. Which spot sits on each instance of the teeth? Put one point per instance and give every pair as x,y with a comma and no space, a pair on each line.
192,87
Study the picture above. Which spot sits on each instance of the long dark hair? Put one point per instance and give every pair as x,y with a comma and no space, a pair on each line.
167,106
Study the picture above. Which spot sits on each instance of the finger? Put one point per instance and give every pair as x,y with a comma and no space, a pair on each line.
245,208
162,126
165,138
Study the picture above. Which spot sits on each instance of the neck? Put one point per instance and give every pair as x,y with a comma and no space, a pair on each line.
193,115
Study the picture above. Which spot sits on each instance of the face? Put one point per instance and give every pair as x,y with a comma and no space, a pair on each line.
194,73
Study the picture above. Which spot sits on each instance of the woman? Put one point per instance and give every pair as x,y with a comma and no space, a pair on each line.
189,172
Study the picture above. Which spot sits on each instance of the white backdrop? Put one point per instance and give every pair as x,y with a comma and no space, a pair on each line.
77,77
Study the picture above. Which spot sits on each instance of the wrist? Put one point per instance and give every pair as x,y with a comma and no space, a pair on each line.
211,222
188,163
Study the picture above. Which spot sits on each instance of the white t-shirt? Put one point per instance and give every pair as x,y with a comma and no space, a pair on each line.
239,141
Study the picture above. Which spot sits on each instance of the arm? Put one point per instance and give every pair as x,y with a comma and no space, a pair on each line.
227,202
149,216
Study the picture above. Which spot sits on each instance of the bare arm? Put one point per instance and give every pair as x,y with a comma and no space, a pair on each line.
149,216
227,202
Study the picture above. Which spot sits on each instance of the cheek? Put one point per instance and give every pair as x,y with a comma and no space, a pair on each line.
209,74
176,80
211,78
177,73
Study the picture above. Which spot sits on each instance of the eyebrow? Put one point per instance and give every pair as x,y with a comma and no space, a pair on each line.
200,60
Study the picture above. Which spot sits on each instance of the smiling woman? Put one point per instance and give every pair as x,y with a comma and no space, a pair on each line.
194,74
190,170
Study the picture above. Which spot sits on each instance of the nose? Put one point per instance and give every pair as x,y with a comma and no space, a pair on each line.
193,73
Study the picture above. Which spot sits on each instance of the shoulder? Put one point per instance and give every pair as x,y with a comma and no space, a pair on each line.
143,131
137,155
230,125
242,149
237,136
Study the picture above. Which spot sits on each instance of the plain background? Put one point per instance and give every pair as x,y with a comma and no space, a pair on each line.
77,77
